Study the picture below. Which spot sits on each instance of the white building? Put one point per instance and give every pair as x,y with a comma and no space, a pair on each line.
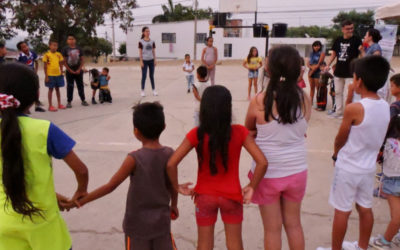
175,39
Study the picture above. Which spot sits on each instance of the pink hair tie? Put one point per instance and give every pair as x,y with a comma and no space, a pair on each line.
8,101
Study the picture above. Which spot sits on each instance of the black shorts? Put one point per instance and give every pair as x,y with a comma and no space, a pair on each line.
165,242
94,86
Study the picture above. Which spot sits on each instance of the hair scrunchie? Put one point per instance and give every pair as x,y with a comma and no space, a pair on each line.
8,101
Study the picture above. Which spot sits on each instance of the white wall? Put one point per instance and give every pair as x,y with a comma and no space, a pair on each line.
185,38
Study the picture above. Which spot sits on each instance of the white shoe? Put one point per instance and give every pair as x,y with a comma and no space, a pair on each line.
155,93
347,245
142,93
324,248
377,243
396,239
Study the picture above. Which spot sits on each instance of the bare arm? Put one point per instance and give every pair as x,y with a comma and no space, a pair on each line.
81,174
203,60
141,57
377,53
245,64
331,59
250,122
350,94
196,93
307,107
127,167
46,77
321,58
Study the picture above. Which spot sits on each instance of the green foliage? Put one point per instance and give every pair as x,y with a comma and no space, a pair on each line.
178,12
358,18
313,31
6,31
122,49
59,17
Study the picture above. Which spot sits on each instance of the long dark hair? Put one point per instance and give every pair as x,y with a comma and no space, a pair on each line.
215,121
143,30
251,54
284,64
21,82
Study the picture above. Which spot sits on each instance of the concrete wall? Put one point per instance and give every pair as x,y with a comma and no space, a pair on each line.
185,38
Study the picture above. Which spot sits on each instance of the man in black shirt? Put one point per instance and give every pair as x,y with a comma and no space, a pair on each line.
345,49
73,61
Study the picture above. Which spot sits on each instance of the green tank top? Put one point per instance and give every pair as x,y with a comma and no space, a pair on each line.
39,188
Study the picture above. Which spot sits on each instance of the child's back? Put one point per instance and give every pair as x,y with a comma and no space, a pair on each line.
147,207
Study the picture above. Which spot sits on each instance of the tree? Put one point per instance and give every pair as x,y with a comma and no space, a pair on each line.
60,17
6,31
178,12
361,20
122,49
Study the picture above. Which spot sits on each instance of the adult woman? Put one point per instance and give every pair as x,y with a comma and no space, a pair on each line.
317,56
147,54
370,44
279,117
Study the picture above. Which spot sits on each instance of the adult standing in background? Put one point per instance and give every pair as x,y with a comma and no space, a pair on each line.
317,56
147,54
372,47
345,49
73,61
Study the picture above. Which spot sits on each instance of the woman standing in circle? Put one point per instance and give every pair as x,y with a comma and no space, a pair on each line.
317,56
147,54
209,58
370,44
279,118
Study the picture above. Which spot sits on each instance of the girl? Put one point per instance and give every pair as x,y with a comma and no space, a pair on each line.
253,62
209,58
147,54
218,145
29,213
370,44
279,119
317,56
391,185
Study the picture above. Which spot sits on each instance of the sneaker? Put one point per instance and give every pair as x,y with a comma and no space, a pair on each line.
39,103
52,109
94,101
142,93
337,116
377,243
61,106
331,112
396,239
155,92
39,109
84,103
69,105
347,245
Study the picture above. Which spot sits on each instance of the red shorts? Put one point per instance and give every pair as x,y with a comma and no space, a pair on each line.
270,190
207,210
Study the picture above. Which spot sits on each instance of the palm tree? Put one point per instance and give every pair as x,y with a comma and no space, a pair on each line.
178,12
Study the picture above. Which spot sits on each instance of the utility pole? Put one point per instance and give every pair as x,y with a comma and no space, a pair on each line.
195,31
113,36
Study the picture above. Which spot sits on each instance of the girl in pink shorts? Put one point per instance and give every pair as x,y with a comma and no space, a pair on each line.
218,145
279,118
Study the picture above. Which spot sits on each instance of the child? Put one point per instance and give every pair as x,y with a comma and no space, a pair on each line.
188,67
357,144
29,58
253,62
198,88
218,145
209,59
29,210
332,93
322,88
390,185
151,201
395,90
300,81
53,68
105,93
94,83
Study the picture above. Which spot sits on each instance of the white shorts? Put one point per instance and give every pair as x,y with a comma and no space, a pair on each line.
348,188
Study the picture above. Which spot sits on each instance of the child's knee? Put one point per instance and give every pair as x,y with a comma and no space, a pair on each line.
363,210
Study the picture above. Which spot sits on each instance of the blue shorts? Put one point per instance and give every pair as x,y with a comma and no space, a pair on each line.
316,74
55,82
253,74
391,185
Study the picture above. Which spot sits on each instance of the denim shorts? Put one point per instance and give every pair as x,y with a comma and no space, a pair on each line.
55,82
391,185
253,74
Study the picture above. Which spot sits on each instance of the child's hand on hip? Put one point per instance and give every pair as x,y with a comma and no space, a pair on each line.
247,192
185,189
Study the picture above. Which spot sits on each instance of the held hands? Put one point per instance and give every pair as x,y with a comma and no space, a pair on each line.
247,192
65,203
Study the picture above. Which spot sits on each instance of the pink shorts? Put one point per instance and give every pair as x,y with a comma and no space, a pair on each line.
207,210
270,190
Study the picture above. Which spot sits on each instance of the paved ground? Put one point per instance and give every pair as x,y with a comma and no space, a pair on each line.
104,137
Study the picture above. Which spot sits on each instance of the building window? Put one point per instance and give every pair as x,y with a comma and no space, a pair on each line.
201,37
227,50
168,37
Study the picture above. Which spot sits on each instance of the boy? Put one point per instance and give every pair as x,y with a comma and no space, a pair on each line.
29,58
198,88
357,144
322,90
53,68
188,67
105,94
147,222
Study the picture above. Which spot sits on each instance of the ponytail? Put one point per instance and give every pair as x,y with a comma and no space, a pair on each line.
20,82
143,30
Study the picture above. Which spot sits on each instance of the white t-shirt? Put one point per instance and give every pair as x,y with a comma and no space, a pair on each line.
189,66
359,154
200,87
